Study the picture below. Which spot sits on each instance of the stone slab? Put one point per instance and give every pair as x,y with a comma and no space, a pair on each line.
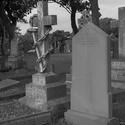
33,103
41,105
60,63
56,92
79,118
118,84
16,91
90,72
46,93
68,77
14,61
50,20
47,78
4,84
36,92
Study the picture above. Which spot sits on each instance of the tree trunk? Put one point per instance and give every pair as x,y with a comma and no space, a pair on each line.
73,21
2,44
73,17
10,27
9,46
95,11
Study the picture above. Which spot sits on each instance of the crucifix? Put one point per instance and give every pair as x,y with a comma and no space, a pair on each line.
44,27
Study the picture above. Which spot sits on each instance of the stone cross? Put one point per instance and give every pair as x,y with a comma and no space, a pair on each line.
14,54
85,18
14,47
44,26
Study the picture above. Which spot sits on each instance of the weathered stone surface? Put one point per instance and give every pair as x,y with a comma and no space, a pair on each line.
118,84
69,77
7,83
122,31
60,63
47,78
90,79
13,62
36,92
41,105
46,93
56,92
118,75
78,118
50,20
118,64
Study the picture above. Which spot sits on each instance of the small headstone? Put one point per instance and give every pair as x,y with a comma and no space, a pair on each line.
8,83
14,58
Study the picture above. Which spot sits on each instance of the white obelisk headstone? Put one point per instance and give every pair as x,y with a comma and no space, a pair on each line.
90,77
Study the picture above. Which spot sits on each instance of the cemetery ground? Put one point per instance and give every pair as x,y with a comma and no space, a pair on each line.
12,88
83,87
9,98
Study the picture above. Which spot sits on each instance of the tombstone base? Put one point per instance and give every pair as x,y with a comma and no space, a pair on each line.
13,62
78,118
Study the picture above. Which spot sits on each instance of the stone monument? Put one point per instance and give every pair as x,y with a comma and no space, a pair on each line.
122,31
91,85
14,57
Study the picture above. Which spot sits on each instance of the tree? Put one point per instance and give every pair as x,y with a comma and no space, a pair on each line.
25,42
105,24
12,11
73,6
95,11
57,40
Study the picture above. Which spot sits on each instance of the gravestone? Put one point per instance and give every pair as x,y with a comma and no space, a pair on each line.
122,31
47,89
90,91
14,57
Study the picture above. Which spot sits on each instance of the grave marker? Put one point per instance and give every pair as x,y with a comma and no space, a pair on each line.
122,31
14,57
91,85
44,26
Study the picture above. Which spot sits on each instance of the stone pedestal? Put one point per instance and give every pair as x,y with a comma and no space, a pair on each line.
122,32
46,90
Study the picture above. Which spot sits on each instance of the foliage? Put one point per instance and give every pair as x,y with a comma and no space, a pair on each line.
57,40
13,11
79,5
105,24
16,10
73,6
25,42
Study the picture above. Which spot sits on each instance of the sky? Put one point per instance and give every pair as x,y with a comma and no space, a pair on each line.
108,8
